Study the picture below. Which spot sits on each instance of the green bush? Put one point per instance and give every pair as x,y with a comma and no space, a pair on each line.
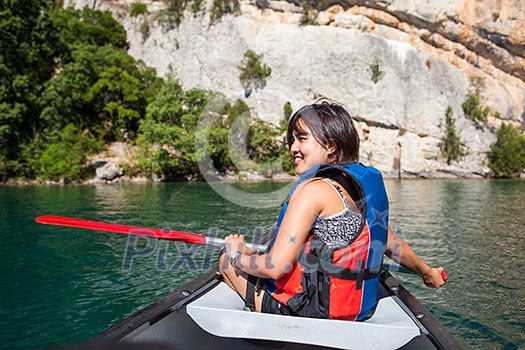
287,114
253,71
472,107
375,71
221,7
286,159
166,135
175,12
225,158
196,6
451,146
261,142
138,8
264,146
284,152
65,156
507,154
104,89
269,149
89,27
287,111
157,154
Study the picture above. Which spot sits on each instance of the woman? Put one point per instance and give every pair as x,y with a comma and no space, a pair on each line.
332,233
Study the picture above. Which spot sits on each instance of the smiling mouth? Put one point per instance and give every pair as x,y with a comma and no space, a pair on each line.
297,159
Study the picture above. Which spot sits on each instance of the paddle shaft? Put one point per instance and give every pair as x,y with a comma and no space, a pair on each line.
164,234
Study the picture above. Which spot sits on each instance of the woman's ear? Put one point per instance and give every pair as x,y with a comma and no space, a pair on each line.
331,148
331,153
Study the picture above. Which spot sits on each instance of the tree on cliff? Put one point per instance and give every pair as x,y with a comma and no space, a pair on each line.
451,146
507,156
253,72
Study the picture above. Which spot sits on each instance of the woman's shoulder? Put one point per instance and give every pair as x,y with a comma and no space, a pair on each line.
317,196
314,188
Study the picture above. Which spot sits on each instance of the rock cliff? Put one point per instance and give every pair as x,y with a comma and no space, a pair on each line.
425,55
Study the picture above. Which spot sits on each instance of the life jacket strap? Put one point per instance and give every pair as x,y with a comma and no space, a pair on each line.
312,262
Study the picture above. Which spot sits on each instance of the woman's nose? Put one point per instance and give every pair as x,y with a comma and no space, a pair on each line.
294,148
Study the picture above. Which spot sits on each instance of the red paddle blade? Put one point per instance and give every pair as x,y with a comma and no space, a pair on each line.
193,238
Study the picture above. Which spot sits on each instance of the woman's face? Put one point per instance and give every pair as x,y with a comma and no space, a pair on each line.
306,151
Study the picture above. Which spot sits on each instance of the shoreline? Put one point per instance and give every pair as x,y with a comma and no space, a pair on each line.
144,180
226,179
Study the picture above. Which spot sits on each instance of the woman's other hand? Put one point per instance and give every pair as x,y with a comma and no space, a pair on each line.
435,278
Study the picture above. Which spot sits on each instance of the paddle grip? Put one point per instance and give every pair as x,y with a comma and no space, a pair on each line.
444,276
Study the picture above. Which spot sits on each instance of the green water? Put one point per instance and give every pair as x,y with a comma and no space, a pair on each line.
62,285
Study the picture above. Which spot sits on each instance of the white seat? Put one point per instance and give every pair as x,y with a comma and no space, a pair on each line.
221,312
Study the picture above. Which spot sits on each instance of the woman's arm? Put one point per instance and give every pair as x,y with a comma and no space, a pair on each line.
399,251
303,209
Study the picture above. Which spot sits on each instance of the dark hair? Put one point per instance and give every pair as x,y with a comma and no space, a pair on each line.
331,125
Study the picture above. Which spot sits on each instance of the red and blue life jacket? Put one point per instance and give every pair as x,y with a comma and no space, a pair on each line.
340,283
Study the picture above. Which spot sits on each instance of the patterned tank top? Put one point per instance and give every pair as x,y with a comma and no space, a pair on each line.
338,230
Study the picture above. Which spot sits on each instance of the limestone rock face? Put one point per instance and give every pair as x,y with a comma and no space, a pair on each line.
396,65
